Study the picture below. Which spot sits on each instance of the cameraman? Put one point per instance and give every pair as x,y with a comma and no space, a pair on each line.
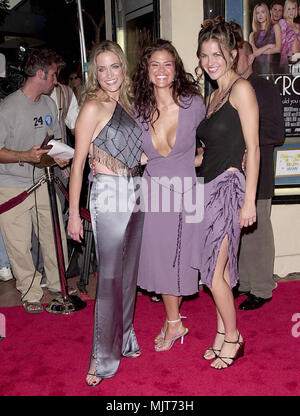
26,117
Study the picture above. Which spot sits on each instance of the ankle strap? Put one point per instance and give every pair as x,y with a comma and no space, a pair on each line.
234,342
178,320
171,322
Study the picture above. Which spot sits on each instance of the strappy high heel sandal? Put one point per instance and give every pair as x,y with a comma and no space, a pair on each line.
239,353
94,383
171,340
134,355
214,350
162,334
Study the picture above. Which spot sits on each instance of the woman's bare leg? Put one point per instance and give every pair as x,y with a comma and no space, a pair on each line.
218,341
226,314
161,335
173,329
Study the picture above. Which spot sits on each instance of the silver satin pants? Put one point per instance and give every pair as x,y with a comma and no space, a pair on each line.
117,232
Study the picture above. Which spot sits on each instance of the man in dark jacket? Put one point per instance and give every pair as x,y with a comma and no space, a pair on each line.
257,252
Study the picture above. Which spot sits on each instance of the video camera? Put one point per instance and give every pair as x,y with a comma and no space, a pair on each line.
15,75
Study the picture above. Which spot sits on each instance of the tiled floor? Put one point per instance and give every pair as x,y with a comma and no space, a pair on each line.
9,296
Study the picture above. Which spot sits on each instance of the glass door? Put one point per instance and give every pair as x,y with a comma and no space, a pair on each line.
135,24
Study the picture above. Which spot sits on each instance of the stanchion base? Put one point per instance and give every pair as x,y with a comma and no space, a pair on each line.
82,287
65,306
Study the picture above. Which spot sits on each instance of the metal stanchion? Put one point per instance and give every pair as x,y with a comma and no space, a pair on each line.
69,303
87,250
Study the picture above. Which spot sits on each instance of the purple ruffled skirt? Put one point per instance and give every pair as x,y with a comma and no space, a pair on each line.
223,198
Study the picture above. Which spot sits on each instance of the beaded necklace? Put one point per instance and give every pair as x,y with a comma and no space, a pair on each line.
220,102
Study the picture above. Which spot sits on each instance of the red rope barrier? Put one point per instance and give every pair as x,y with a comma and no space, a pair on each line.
84,213
11,203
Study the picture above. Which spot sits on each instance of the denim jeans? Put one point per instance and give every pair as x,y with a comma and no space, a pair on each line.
4,261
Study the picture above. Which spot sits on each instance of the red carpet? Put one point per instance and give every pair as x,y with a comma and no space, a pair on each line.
48,355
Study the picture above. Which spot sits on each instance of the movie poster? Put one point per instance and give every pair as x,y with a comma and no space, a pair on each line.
274,33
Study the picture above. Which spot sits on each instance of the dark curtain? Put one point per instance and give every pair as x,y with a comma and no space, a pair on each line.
211,9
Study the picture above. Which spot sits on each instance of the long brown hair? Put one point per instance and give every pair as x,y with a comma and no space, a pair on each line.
228,35
183,86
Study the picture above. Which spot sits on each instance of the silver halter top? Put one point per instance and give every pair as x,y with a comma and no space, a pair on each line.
118,146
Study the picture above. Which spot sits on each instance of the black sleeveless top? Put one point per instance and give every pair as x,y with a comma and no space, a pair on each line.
121,138
224,142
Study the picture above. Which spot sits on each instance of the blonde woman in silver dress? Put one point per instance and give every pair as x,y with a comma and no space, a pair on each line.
106,130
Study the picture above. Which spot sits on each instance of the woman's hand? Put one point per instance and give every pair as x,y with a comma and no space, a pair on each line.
75,228
244,161
62,163
199,157
294,58
247,215
92,165
144,159
270,46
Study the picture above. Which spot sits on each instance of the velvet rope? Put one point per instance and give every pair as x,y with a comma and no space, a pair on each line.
11,203
16,200
84,213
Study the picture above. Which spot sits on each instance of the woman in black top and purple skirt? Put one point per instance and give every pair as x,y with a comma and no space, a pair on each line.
230,127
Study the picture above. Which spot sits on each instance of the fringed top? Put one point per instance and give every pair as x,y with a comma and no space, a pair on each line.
112,163
118,146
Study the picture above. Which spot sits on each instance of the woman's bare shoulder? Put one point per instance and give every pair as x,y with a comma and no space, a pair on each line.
242,90
241,85
95,107
94,103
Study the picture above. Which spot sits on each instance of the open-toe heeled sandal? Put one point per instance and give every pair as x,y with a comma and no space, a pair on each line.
239,353
214,350
162,334
134,355
162,346
95,382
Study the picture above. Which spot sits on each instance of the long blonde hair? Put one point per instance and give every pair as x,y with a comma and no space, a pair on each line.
92,86
286,5
256,26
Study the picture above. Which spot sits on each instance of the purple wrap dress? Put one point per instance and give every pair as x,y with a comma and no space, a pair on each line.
167,241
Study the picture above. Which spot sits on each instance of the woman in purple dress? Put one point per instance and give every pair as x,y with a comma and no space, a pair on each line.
169,108
265,41
230,125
